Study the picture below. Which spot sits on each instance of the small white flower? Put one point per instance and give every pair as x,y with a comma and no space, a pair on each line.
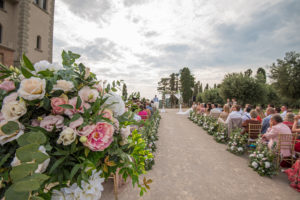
267,165
260,155
254,164
240,149
67,136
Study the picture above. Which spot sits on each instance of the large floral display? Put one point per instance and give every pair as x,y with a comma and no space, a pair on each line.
63,132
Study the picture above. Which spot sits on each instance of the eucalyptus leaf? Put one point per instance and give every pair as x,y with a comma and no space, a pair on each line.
22,170
30,183
11,194
25,153
10,127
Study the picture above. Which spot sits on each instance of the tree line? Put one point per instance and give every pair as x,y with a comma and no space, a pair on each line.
280,86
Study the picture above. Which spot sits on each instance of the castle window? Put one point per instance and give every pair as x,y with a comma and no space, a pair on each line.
2,4
45,4
0,33
38,42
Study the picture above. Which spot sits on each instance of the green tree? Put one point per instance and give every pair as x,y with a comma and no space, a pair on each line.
173,90
124,92
187,84
286,76
200,88
212,95
248,72
244,88
261,75
196,89
206,87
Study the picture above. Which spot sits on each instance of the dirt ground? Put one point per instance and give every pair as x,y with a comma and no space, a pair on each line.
190,165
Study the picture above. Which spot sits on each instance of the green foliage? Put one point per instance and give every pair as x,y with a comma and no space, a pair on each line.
261,75
212,95
237,143
244,88
10,127
286,76
187,83
124,92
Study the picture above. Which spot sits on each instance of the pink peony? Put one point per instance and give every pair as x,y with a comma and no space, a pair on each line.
55,104
106,113
85,131
72,102
12,97
76,123
7,86
50,121
101,137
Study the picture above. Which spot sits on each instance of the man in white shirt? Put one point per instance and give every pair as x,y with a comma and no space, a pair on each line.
246,114
234,113
284,111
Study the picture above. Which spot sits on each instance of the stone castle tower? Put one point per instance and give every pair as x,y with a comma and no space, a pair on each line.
26,26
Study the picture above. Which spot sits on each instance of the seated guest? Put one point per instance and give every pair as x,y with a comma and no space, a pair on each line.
289,120
252,120
246,114
220,107
143,113
284,111
266,121
295,129
234,113
269,106
276,128
260,112
200,108
277,110
223,116
208,109
215,109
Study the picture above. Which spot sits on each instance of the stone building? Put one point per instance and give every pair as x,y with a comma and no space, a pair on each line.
26,26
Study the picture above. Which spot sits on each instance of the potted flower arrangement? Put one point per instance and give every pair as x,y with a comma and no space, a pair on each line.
237,143
221,136
62,132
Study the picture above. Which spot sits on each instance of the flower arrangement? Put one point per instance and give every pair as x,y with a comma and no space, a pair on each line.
213,126
62,132
237,143
221,135
201,120
262,160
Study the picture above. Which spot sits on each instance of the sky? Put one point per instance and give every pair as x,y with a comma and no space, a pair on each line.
141,41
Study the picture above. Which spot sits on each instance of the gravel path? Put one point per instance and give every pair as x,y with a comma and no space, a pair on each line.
190,165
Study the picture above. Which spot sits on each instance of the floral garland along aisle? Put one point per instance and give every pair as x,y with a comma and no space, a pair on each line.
62,133
261,159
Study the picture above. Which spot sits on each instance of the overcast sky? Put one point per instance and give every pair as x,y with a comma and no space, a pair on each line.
140,41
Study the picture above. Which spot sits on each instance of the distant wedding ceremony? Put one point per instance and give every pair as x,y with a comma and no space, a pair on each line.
149,100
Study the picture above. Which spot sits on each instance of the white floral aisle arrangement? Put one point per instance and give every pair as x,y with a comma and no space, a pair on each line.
201,120
221,135
262,160
61,132
213,125
237,143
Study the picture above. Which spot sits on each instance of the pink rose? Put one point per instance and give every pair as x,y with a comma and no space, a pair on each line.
76,123
12,97
72,102
85,131
107,114
7,86
50,121
101,137
55,104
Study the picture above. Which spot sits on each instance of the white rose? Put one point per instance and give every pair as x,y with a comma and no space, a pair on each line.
254,164
64,85
88,95
67,136
32,88
267,164
13,110
115,103
41,167
7,138
44,65
240,149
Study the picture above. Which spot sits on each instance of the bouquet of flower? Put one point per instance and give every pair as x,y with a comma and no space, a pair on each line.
213,126
62,130
200,120
262,160
237,143
221,136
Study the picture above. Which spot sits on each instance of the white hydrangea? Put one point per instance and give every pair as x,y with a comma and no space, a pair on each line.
260,155
267,165
44,65
115,103
254,164
240,149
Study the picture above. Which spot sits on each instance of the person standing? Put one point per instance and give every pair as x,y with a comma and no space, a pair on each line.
156,102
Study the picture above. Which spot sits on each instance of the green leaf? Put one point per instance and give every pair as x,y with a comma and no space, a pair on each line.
46,103
66,106
46,73
57,93
26,73
30,183
22,170
11,194
56,164
36,198
4,159
75,117
10,128
25,153
28,63
39,157
78,102
74,170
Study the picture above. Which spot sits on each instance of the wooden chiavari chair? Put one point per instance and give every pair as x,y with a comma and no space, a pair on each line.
254,130
286,142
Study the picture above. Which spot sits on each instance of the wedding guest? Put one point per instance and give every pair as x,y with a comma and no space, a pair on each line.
223,116
246,114
269,106
208,108
272,134
200,108
289,120
261,114
277,110
194,106
284,111
252,120
215,109
266,120
234,113
220,108
156,102
234,102
229,103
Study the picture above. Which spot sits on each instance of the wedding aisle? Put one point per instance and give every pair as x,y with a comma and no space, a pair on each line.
190,165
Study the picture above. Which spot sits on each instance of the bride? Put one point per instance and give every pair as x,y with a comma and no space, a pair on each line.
194,106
